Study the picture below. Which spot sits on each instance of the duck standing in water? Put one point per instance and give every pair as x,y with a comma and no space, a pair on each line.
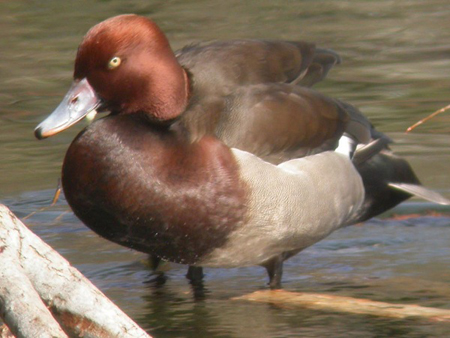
218,155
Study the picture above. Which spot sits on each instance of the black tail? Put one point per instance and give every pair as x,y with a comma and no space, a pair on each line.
377,173
388,179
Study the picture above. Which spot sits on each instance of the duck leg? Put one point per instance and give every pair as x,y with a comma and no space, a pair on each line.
195,274
154,262
274,269
159,276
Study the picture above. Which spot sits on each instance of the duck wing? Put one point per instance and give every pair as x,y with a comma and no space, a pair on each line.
219,67
278,122
251,95
274,121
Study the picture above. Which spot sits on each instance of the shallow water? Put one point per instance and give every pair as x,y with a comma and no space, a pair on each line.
396,62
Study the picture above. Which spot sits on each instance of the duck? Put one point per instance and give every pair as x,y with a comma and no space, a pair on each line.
219,154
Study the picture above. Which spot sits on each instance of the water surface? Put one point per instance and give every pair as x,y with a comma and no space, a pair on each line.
396,62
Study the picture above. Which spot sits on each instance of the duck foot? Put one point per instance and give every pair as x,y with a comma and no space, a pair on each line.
195,274
274,269
158,279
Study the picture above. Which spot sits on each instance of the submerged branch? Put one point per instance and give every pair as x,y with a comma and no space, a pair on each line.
345,304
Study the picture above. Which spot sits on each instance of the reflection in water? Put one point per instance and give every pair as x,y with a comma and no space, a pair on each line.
181,314
396,61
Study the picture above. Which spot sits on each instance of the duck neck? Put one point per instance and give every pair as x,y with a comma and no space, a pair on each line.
169,91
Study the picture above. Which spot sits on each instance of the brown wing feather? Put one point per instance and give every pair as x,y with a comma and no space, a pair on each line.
248,94
322,62
281,121
218,68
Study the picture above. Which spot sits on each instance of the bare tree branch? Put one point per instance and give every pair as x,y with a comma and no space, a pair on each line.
42,295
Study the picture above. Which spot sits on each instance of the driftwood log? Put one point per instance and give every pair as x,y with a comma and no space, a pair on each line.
345,304
42,295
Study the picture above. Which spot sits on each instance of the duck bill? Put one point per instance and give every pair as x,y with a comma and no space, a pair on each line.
79,101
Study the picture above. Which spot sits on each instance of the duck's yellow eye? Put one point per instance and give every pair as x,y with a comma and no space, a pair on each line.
114,62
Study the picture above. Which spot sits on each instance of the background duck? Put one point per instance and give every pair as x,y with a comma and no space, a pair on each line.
163,174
